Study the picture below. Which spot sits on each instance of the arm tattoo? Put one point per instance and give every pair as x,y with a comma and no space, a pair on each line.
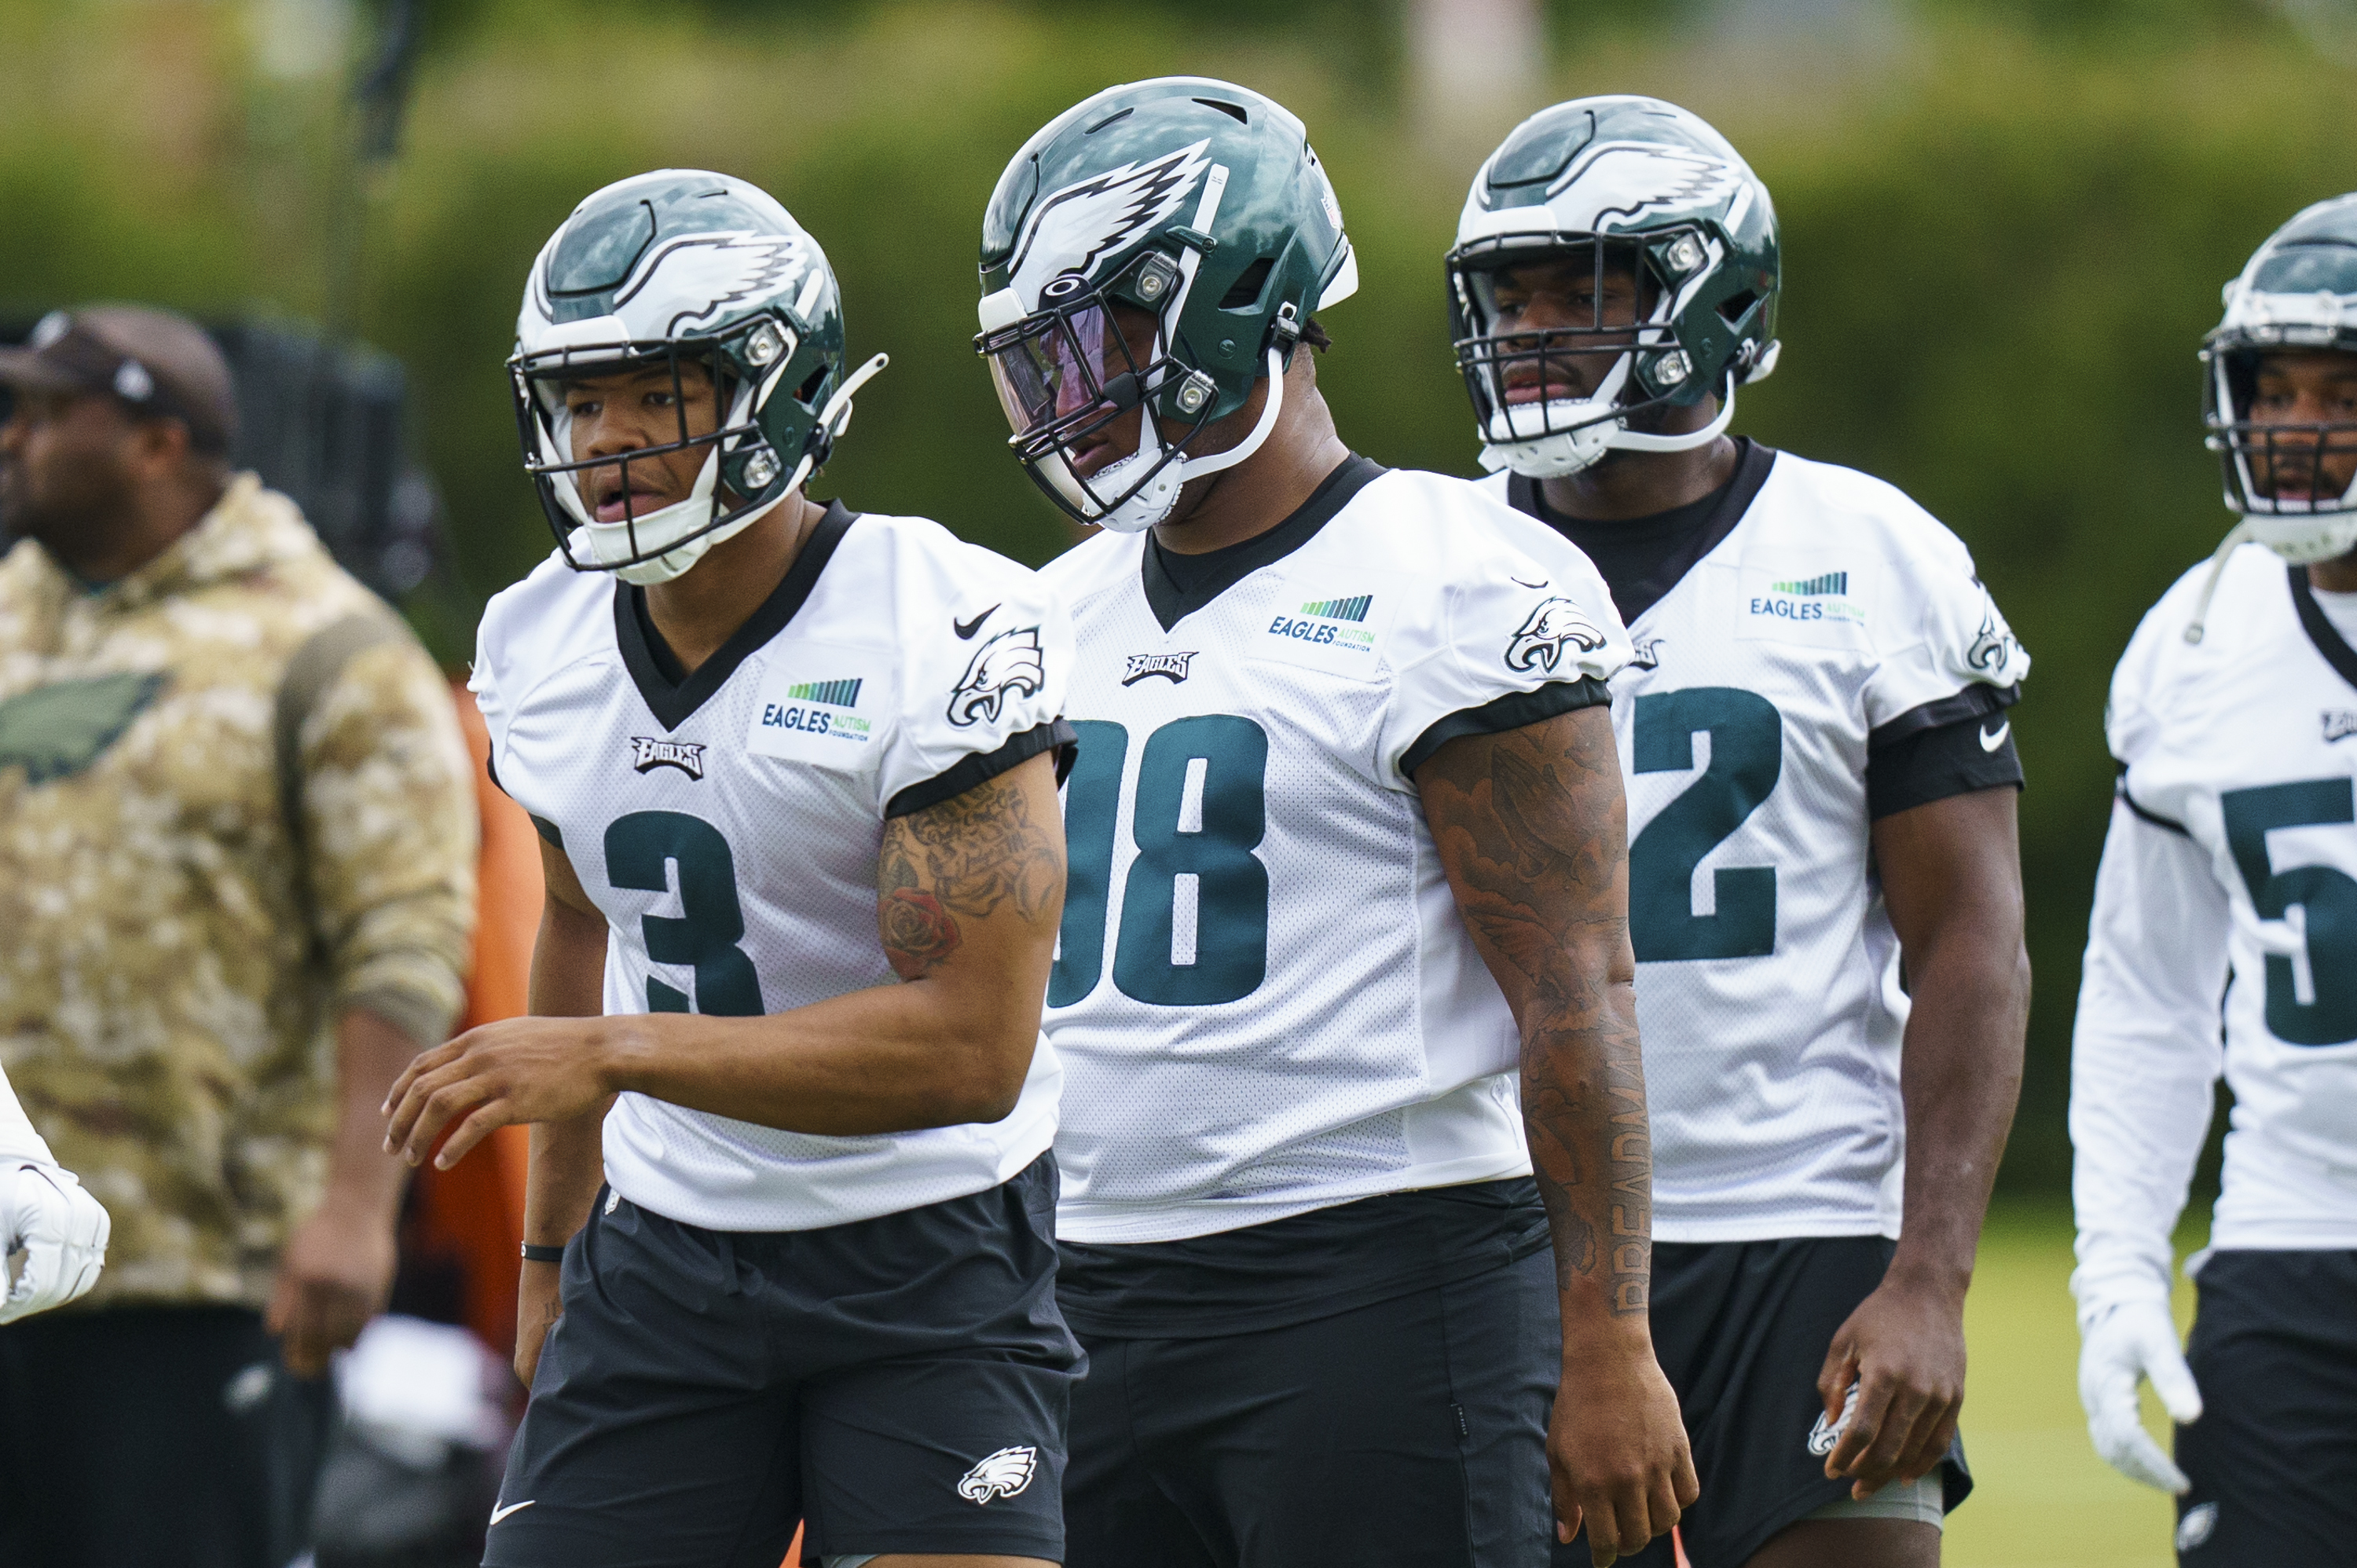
965,855
1531,828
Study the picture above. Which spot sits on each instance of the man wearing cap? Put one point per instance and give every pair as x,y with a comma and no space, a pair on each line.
237,849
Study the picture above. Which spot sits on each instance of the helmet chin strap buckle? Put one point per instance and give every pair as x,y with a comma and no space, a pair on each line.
1285,330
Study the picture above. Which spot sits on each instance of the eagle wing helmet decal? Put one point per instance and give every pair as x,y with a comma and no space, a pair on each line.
1011,662
1069,230
1623,182
1540,641
1001,1474
695,278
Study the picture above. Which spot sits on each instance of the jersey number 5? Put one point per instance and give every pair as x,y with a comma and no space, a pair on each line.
1194,910
2318,1007
704,934
1747,757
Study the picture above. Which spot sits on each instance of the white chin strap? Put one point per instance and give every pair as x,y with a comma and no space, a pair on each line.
1156,497
1532,439
605,542
2300,538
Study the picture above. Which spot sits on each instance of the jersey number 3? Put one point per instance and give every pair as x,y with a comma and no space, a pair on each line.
1194,910
1747,757
2318,1007
711,922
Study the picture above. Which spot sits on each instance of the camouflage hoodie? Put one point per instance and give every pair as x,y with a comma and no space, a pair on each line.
172,960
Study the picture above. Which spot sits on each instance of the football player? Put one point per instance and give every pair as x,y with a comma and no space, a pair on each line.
1822,785
53,1232
2230,868
795,766
1346,834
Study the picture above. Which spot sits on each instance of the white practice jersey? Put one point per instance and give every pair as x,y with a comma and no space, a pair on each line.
728,827
2230,872
1835,616
1263,998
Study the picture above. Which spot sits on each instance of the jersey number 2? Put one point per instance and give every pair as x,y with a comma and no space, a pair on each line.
1199,811
2326,900
704,934
1747,757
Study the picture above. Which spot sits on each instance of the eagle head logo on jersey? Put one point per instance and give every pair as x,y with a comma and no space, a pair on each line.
1540,641
1002,1475
1011,662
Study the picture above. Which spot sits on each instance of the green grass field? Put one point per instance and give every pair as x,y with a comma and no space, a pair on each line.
2043,1499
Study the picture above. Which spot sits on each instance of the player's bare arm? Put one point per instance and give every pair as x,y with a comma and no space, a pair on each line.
1952,880
568,972
1530,827
971,892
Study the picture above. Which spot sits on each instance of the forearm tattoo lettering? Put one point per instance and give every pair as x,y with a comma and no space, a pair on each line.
967,855
1533,830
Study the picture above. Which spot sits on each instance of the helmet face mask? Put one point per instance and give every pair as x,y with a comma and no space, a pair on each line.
706,282
1678,238
1564,339
732,460
1087,382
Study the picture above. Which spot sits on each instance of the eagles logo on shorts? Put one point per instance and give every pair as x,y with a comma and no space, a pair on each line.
1001,1474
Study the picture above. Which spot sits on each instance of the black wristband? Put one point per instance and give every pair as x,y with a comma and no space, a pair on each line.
533,1254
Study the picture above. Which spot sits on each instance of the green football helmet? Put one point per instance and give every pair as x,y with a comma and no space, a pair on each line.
1194,212
1620,188
665,269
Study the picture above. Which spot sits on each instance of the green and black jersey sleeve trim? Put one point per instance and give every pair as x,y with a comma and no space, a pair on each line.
1055,735
1516,710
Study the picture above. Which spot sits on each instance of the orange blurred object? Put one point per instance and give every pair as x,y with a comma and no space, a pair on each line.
474,1212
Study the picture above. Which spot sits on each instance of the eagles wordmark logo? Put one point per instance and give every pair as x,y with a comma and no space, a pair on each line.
2339,724
1005,1474
1337,623
1539,641
649,754
1171,667
1822,597
1647,655
1010,663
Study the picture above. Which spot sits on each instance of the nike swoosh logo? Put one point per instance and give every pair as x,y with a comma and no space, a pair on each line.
966,629
1991,742
499,1514
1540,584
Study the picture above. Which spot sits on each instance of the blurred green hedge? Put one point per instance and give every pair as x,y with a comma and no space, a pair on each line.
2003,244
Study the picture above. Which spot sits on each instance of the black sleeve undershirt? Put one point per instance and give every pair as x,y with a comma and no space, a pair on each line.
1940,750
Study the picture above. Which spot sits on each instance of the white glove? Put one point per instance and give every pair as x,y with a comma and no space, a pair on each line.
2130,1342
61,1230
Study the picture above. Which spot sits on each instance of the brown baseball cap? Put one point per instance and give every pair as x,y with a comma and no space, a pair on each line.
156,364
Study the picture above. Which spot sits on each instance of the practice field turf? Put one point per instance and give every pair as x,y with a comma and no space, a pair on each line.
2043,1500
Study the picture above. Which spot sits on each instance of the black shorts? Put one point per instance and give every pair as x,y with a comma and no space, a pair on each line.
136,1436
1741,1329
1409,1432
899,1384
2274,1458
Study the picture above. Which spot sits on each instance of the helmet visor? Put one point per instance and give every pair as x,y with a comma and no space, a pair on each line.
1064,374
